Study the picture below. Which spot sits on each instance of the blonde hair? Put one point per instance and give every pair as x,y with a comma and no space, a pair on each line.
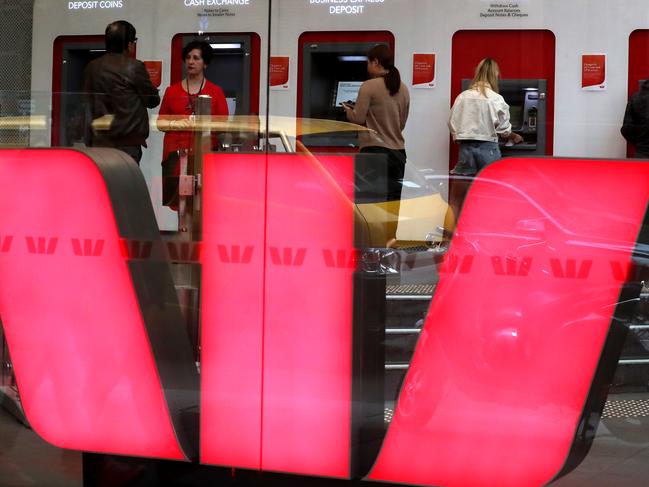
486,76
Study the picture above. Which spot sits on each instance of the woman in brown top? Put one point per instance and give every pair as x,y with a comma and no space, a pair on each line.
382,105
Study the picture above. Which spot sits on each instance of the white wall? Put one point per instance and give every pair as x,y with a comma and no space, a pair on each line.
586,123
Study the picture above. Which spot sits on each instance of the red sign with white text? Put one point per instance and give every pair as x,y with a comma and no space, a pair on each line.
593,72
154,68
423,70
279,72
499,379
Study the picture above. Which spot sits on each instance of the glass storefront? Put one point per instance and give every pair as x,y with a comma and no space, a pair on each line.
324,242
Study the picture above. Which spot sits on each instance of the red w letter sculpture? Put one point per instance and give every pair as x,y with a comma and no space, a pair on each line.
505,384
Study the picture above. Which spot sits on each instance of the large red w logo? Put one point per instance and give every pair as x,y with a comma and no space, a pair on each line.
500,387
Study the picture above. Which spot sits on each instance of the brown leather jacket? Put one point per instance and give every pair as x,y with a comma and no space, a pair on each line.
118,85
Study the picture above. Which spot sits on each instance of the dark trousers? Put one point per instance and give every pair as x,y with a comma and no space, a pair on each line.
396,169
458,188
135,151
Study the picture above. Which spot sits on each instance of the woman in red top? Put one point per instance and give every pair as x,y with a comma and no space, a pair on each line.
176,116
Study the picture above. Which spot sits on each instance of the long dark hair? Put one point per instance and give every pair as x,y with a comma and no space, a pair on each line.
383,54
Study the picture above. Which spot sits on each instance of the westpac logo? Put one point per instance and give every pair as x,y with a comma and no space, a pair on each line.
505,362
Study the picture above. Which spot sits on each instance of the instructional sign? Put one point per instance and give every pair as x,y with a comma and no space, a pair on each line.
347,7
279,72
216,8
423,71
503,10
96,5
593,72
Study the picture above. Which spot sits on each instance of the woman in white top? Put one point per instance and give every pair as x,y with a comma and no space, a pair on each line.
479,118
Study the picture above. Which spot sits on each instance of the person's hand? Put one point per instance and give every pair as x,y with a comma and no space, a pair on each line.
515,138
181,124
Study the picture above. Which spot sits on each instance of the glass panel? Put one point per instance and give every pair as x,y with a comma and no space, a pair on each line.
261,256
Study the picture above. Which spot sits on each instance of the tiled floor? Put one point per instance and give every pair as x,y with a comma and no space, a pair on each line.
619,457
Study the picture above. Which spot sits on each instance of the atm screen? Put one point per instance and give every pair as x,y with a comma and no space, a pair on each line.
347,91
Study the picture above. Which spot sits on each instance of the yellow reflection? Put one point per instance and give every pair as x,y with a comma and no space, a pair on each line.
289,126
32,122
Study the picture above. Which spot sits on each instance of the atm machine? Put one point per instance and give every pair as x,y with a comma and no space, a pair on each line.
331,68
71,56
235,67
528,114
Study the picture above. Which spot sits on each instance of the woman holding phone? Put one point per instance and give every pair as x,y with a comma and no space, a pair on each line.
382,105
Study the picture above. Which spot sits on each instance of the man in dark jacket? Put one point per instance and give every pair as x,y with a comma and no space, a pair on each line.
119,91
635,128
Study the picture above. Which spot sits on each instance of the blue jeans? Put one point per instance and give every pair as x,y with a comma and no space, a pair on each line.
476,155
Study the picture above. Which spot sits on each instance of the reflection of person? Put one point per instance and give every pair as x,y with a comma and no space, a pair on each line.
635,127
180,99
479,118
382,105
118,85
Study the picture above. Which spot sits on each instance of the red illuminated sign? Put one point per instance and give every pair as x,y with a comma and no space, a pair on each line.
501,378
83,356
271,232
509,350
